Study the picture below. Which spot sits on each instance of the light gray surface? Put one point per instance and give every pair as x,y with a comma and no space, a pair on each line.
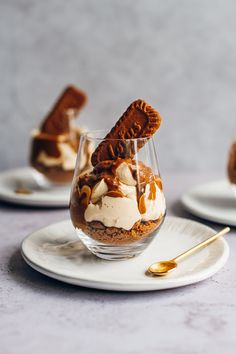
40,315
178,55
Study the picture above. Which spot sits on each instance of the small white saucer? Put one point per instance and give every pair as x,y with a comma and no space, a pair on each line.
10,180
214,201
56,252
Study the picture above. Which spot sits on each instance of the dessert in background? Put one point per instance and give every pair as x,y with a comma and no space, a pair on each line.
120,201
232,164
54,145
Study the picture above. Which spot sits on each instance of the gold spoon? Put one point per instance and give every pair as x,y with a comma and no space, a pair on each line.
165,267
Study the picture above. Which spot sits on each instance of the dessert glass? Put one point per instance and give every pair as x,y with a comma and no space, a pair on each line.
117,207
53,158
231,168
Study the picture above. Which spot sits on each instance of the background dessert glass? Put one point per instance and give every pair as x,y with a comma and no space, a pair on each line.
54,145
53,157
118,206
231,168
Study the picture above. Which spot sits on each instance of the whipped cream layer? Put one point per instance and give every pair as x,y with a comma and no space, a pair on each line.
114,212
124,212
66,159
66,151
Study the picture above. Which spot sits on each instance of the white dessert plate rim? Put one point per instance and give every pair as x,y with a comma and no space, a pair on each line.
39,198
190,201
145,283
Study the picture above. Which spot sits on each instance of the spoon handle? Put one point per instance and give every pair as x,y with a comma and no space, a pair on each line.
201,244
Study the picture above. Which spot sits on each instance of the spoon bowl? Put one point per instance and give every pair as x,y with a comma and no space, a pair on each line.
162,268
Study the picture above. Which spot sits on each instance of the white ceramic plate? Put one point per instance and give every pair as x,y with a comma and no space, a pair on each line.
56,252
53,197
214,201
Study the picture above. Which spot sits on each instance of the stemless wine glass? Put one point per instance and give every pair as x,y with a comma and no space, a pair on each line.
53,158
118,205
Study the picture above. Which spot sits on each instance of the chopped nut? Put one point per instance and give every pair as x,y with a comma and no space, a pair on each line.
115,194
85,194
99,190
124,174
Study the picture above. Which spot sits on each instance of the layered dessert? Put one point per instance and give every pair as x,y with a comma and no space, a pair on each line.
54,145
121,200
232,164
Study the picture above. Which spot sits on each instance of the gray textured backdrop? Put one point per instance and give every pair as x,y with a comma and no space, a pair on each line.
178,55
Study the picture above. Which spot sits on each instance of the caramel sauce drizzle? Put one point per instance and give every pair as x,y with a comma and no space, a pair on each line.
159,182
153,190
141,205
106,170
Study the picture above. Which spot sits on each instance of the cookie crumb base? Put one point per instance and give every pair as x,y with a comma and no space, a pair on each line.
118,236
